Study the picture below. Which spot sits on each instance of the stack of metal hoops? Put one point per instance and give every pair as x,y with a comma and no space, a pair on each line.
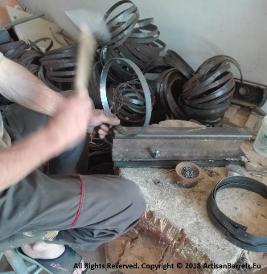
175,88
207,95
134,75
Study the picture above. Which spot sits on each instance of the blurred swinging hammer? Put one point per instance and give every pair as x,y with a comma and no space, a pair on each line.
91,25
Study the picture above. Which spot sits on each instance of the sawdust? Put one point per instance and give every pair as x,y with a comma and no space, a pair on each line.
186,209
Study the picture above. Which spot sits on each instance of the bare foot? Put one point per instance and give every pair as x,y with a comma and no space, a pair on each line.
42,250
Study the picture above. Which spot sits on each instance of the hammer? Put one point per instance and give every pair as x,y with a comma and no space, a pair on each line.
91,25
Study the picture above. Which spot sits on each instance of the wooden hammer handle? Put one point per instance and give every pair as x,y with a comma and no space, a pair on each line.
86,53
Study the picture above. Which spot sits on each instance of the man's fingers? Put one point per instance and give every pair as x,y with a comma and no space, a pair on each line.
102,118
104,128
102,134
111,120
103,131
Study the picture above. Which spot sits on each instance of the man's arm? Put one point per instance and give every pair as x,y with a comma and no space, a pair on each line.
19,160
18,85
63,131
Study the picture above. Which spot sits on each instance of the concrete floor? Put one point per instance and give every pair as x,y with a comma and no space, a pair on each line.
186,209
94,257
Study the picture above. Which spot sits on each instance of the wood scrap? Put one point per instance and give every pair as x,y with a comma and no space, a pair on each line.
243,117
255,160
237,116
231,112
254,122
179,124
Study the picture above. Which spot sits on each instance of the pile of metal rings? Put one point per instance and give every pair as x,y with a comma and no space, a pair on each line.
137,42
176,89
134,76
129,103
58,68
131,37
203,95
23,54
174,72
168,89
207,95
124,24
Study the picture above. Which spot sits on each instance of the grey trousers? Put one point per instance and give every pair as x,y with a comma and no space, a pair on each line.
87,210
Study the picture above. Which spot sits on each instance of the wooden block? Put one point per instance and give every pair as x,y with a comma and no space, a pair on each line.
241,117
237,116
230,113
254,122
253,157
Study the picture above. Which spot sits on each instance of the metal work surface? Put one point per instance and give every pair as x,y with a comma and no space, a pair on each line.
190,133
162,147
142,150
172,163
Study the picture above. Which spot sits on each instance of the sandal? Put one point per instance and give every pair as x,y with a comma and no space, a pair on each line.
64,264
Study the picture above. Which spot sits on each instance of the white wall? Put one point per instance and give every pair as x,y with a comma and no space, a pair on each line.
196,29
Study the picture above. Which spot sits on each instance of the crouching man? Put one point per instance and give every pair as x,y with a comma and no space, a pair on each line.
87,211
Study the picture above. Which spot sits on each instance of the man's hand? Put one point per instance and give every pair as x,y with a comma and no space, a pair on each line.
104,121
70,123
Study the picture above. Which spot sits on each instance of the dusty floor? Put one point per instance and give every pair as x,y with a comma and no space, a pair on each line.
186,209
94,257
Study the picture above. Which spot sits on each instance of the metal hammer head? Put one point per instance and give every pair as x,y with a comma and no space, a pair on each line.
93,20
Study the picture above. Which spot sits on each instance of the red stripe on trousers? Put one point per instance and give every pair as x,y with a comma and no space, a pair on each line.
82,188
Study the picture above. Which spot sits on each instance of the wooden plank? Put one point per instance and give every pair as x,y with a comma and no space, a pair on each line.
231,112
253,157
240,117
254,122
